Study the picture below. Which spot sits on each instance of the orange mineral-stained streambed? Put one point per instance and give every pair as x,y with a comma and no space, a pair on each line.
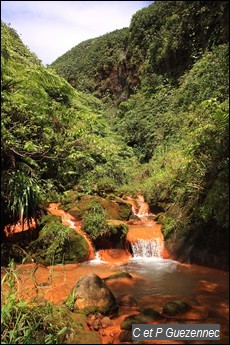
73,223
153,284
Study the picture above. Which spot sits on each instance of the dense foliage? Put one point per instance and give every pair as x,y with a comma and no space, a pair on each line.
176,116
34,323
100,67
167,77
162,131
52,135
57,244
162,42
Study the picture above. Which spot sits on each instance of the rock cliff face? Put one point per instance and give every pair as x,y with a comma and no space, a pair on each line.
102,67
196,250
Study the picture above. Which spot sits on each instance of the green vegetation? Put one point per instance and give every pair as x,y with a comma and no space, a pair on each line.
94,222
158,126
21,324
100,67
162,42
58,244
53,137
164,83
34,323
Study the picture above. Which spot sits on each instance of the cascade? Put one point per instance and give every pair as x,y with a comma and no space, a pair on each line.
146,240
70,221
147,248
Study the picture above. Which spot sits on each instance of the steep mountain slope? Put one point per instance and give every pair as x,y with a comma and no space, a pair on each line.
181,135
162,42
98,66
166,77
176,118
52,135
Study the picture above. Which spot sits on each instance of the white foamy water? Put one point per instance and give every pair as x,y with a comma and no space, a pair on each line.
97,260
71,223
147,248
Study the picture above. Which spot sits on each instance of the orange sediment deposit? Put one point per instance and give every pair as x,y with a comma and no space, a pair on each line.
72,222
53,283
143,206
11,229
114,255
165,254
146,232
145,228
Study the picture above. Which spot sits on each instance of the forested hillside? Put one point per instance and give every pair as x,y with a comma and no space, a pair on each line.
54,138
162,42
162,86
175,117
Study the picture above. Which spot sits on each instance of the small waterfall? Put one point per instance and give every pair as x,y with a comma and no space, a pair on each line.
147,248
143,246
97,260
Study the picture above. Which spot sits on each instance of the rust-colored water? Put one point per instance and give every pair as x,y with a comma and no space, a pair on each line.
154,282
70,221
205,289
114,256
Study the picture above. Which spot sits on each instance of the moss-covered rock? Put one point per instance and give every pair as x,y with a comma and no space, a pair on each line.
117,227
125,211
133,319
118,275
48,218
57,244
175,307
114,210
127,300
152,313
146,316
91,295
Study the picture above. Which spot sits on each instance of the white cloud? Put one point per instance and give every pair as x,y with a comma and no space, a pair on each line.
50,28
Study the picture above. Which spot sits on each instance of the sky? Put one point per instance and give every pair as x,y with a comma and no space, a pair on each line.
51,28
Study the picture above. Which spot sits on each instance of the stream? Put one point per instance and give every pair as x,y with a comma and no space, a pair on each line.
156,279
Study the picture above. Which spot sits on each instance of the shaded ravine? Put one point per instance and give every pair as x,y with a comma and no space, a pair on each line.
73,223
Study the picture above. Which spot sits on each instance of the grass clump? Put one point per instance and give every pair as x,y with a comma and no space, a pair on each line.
23,324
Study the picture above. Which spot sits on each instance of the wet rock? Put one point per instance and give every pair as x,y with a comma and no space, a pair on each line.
119,275
90,320
125,336
91,294
114,209
57,242
133,319
175,307
152,313
127,301
114,256
106,322
97,324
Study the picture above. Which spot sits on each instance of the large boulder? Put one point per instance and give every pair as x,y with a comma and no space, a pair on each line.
58,244
91,294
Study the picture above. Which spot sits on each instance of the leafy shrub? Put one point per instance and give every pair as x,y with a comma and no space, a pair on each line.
94,222
22,324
